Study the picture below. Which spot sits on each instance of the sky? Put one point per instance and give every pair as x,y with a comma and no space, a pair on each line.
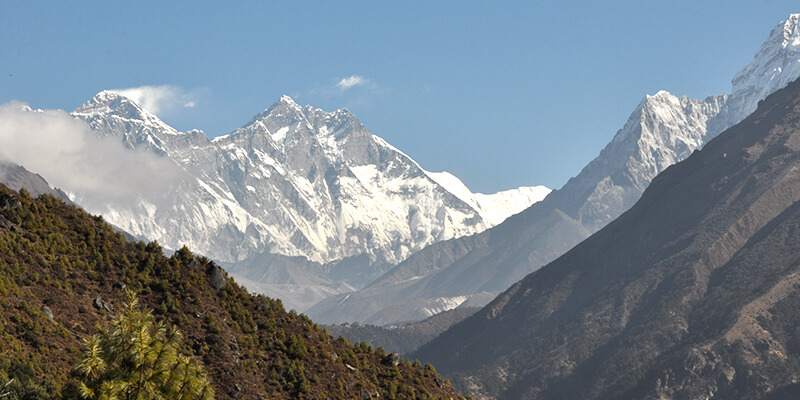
501,94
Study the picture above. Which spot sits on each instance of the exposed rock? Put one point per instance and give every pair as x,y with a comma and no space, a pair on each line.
217,276
405,338
8,225
120,285
8,202
48,313
366,395
391,359
101,304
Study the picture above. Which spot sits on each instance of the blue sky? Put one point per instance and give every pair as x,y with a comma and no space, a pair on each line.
501,94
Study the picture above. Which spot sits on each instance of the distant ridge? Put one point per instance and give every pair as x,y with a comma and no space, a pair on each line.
17,177
692,293
662,130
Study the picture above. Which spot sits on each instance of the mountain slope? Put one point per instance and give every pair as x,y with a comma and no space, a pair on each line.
17,177
662,130
691,293
63,272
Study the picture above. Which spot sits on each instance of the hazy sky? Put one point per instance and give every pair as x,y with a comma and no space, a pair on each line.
501,94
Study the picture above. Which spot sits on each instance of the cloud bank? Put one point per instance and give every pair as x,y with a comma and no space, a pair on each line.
159,99
69,156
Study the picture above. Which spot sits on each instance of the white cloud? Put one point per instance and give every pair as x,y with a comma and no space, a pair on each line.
159,99
68,155
353,80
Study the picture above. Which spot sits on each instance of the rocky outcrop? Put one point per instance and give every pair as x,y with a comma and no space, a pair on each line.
216,276
101,304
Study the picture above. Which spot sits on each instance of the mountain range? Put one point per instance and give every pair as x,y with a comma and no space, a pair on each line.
662,130
298,202
692,293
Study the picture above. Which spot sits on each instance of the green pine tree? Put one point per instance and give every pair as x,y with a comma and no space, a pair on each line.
138,359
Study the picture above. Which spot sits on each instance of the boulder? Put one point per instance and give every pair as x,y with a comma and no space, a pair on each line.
391,360
48,313
217,276
101,304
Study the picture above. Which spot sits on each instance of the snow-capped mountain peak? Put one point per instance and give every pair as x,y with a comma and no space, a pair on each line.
112,103
284,107
775,64
112,114
294,181
287,100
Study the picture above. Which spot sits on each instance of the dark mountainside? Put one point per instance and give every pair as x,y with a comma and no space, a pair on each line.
64,272
17,177
661,131
693,293
405,338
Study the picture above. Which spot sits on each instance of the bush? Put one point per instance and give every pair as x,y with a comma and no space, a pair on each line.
138,359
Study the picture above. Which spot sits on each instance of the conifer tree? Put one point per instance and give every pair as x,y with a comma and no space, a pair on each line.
139,359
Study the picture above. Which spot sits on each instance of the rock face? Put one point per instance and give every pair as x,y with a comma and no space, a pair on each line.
692,293
662,130
216,276
293,182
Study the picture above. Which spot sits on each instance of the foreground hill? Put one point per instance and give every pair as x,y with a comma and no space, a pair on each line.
693,293
64,272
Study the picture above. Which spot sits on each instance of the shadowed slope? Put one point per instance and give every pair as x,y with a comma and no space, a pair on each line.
689,293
